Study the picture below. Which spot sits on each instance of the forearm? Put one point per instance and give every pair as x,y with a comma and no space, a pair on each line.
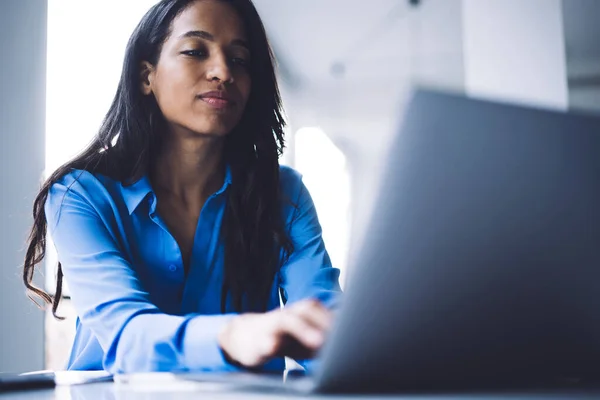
161,342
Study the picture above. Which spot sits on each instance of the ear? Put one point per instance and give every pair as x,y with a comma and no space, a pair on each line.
146,77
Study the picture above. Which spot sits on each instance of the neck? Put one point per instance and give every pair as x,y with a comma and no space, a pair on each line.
189,169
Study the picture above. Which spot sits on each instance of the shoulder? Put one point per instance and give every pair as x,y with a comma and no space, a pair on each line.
84,184
290,182
295,197
82,189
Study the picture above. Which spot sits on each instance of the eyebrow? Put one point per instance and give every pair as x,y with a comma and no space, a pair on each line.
207,36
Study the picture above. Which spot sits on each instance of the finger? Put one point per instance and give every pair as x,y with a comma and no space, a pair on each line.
313,312
298,328
290,347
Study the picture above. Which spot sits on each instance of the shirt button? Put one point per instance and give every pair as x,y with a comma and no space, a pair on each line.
172,268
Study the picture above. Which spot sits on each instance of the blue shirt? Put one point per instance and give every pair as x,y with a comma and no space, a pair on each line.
137,310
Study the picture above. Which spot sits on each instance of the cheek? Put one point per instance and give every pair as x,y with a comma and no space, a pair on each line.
174,91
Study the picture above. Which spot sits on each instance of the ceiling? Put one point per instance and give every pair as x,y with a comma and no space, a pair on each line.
346,64
314,37
332,39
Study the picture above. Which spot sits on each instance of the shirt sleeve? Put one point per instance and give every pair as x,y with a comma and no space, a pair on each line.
308,272
109,299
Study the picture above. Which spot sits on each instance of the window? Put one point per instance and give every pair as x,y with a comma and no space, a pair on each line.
326,175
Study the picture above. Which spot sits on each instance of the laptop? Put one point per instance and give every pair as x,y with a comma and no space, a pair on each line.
480,266
38,380
49,379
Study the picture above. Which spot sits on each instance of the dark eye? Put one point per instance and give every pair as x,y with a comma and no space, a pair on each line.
239,61
194,53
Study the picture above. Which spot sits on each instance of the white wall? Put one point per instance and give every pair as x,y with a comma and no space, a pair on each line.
514,50
436,44
22,126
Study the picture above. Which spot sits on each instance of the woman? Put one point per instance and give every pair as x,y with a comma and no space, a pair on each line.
177,229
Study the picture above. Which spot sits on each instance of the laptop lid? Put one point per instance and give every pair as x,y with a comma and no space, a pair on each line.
481,262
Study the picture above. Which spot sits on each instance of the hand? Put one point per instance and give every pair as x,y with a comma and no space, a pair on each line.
296,331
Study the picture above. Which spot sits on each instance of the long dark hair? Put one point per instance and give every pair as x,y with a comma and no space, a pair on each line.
253,229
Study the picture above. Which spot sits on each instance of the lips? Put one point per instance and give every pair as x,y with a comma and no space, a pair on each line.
217,99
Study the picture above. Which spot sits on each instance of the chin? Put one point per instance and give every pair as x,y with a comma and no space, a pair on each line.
220,126
211,130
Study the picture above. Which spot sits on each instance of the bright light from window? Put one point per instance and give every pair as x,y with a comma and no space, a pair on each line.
326,176
86,45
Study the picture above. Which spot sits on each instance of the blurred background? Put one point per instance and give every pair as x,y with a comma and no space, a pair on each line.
346,69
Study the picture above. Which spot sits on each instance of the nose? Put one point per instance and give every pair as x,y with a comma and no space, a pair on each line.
219,70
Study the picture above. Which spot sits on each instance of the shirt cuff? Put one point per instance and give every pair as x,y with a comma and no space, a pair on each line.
201,346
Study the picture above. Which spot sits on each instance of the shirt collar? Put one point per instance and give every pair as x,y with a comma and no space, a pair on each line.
135,193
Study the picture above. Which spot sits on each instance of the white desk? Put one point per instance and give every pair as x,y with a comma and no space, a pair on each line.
197,391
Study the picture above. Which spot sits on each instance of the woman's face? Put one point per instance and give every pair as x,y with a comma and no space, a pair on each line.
202,79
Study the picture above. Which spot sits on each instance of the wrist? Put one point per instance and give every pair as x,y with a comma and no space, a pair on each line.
223,341
231,339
